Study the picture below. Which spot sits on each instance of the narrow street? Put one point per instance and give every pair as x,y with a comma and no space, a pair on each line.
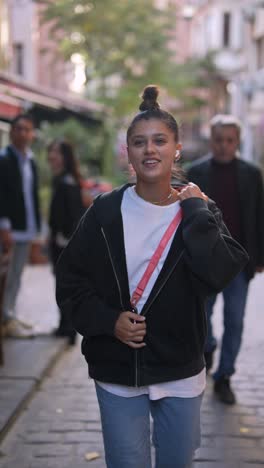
167,95
61,423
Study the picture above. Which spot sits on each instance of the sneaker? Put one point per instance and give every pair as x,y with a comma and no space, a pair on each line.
13,329
224,391
25,325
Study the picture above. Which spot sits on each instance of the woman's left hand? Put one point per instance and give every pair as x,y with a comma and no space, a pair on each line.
191,190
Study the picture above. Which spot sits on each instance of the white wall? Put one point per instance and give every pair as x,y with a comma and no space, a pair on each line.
207,30
22,19
4,32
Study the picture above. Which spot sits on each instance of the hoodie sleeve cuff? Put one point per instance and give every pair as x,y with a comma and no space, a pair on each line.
190,206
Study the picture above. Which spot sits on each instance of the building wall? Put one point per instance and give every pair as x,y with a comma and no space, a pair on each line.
180,41
24,36
254,83
233,31
4,35
35,55
218,27
52,70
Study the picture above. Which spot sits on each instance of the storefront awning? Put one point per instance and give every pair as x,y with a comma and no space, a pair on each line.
9,107
29,96
25,96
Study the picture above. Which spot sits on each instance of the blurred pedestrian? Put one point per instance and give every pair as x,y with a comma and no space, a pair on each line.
134,277
66,209
236,187
19,216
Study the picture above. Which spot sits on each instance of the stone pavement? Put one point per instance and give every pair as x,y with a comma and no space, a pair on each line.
61,423
26,361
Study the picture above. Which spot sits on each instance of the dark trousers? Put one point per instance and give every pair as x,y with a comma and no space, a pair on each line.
65,327
235,296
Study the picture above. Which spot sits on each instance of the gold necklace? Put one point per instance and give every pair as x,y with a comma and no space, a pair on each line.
160,201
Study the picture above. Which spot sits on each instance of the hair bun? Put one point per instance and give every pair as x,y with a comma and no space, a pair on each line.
149,96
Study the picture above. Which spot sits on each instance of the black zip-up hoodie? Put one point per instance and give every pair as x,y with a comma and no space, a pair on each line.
92,286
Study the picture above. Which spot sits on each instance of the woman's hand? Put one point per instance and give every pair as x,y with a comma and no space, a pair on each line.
191,190
130,328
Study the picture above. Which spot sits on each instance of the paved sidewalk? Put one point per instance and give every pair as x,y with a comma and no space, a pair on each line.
61,423
27,361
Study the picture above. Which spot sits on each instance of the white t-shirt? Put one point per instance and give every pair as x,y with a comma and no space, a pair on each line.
144,225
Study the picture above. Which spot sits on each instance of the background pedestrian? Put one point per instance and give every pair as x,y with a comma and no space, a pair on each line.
19,216
66,209
237,188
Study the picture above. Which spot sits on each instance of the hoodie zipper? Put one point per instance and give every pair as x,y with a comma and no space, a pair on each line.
150,304
121,300
114,270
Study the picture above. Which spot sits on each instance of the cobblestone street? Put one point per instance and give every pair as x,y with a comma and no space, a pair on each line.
61,422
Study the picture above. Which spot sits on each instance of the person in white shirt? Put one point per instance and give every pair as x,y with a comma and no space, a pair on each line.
134,278
19,216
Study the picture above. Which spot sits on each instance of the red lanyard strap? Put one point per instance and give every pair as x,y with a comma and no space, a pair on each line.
137,294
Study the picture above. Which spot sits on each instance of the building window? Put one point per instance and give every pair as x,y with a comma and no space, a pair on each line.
226,29
260,52
18,51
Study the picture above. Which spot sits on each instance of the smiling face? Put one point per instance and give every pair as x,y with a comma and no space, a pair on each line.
151,150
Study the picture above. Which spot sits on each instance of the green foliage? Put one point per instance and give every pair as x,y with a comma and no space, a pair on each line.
44,196
124,45
89,142
93,147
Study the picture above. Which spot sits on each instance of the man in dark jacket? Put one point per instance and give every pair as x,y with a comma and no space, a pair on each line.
236,187
19,215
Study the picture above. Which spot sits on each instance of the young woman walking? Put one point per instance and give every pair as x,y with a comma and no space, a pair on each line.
135,277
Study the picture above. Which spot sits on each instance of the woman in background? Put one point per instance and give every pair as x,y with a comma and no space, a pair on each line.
66,209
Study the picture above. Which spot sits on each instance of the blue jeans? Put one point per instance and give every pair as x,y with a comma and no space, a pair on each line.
235,296
126,430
